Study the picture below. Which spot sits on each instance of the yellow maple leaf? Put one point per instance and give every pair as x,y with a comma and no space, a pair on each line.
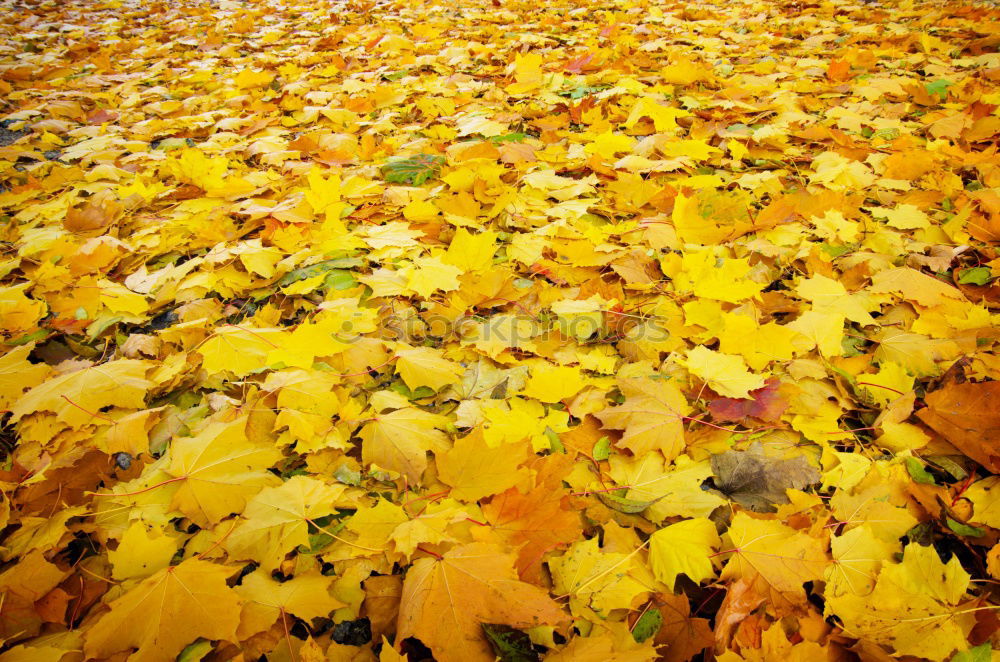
420,211
699,150
18,313
550,383
475,470
515,419
399,440
323,192
917,353
192,166
372,526
471,252
737,149
119,299
838,172
652,417
219,470
265,601
429,274
912,285
903,217
830,296
773,556
141,552
249,78
597,578
424,366
527,69
608,144
240,350
726,374
17,374
724,279
890,382
684,548
858,554
429,527
669,490
825,329
330,332
985,497
76,398
580,318
692,226
166,612
833,226
758,344
276,519
664,117
912,608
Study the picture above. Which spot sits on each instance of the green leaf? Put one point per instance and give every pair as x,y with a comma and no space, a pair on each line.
340,279
647,625
414,170
509,138
851,346
346,475
836,251
555,443
38,334
99,326
975,276
917,471
582,91
508,644
602,449
965,529
938,87
316,269
981,653
623,505
415,394
196,651
320,539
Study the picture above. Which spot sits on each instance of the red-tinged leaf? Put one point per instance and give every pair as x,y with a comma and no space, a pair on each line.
765,404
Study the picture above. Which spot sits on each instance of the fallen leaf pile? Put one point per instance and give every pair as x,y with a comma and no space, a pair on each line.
591,331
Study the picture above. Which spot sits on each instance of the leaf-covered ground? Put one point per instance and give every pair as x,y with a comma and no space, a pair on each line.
624,330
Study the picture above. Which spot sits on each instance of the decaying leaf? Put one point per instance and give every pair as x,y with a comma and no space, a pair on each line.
758,481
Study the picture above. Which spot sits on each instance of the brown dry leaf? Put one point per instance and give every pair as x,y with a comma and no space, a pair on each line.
758,481
684,636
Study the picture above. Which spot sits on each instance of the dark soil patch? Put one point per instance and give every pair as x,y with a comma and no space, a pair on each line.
7,136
